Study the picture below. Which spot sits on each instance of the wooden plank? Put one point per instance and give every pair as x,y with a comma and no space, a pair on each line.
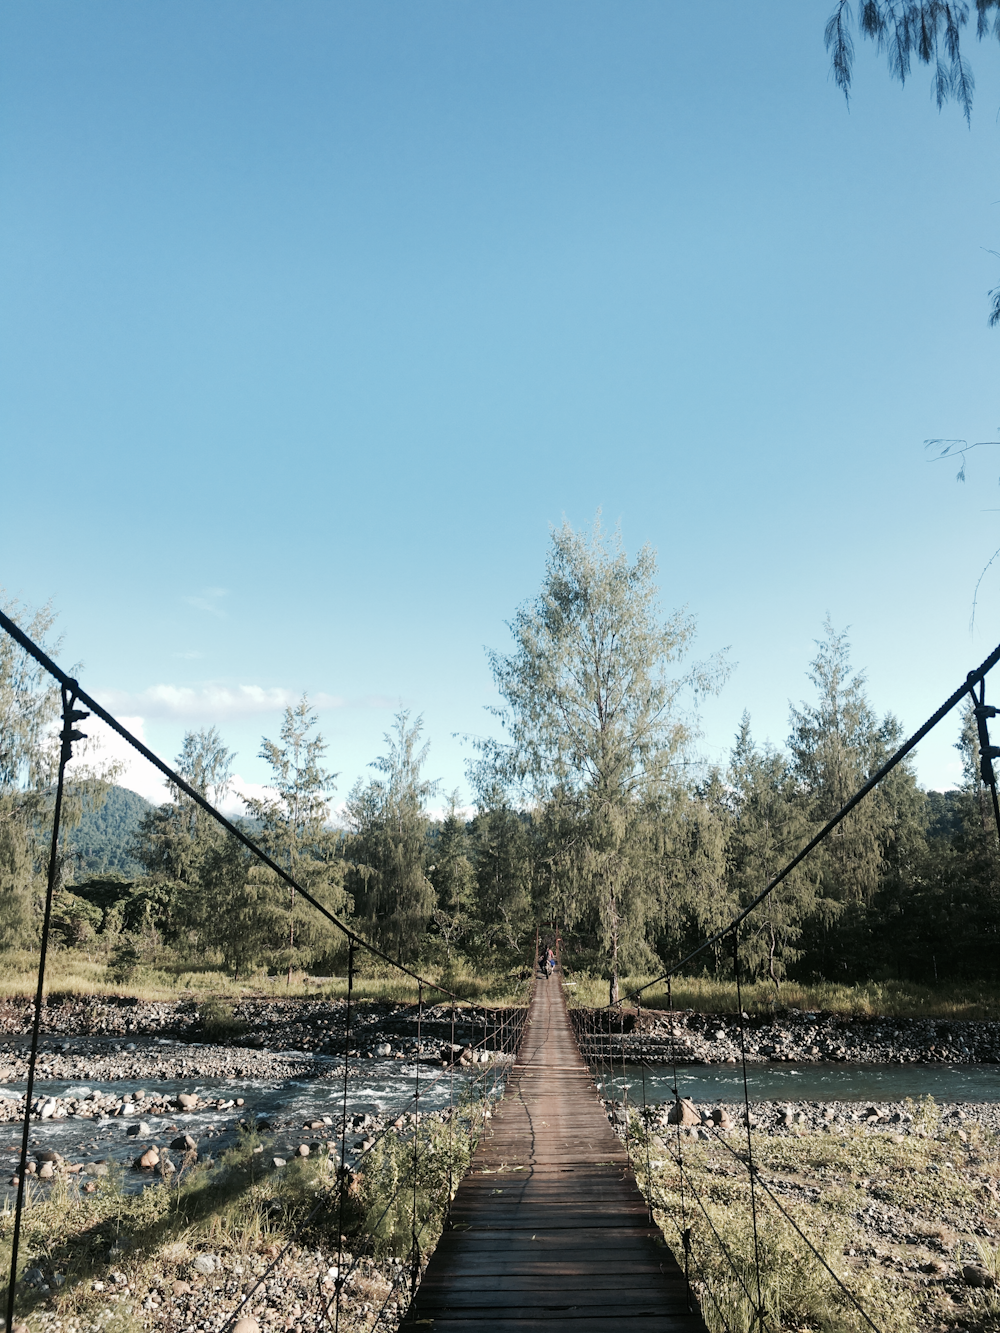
564,1241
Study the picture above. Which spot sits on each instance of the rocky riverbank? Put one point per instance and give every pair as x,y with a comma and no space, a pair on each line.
802,1038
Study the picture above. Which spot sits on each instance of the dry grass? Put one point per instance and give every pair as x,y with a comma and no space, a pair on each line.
70,972
895,1217
869,999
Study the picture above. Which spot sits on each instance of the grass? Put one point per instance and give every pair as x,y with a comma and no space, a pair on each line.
895,1218
101,1253
72,973
868,999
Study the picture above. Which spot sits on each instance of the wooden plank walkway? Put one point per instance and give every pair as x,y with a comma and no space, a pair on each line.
548,1229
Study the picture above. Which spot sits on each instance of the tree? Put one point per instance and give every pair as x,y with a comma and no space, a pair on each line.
295,828
768,825
175,840
927,31
453,877
29,756
591,708
837,743
388,845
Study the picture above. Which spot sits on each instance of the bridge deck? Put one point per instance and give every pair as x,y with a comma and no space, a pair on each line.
548,1229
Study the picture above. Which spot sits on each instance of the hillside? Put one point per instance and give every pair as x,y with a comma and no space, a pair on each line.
103,839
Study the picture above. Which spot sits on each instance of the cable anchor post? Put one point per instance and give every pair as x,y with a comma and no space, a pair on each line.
67,736
987,752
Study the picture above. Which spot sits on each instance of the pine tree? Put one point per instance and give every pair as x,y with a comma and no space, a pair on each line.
387,849
591,707
453,877
296,832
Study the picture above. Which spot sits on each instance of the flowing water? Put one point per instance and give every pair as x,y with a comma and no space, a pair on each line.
811,1083
374,1087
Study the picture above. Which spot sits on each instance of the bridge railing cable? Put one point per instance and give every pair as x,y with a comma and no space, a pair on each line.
596,1032
482,1061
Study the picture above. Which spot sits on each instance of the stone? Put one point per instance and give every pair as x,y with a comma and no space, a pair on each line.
186,1100
722,1118
278,1162
46,1171
683,1112
49,1109
165,1167
302,1150
33,1276
246,1325
206,1263
89,1187
383,1050
149,1159
96,1168
184,1143
180,1288
48,1156
973,1275
140,1130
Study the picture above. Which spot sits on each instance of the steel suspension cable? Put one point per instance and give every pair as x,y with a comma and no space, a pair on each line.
68,735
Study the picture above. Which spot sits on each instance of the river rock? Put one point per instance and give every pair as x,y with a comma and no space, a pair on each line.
187,1100
683,1112
302,1150
278,1162
46,1171
140,1130
180,1288
246,1326
183,1143
722,1118
149,1159
47,1155
206,1263
383,1050
973,1275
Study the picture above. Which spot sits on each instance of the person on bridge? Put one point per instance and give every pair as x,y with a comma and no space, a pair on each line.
550,962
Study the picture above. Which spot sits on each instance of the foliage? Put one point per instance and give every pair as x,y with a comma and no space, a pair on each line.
595,731
387,851
294,830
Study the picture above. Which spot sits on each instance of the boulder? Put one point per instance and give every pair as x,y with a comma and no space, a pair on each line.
302,1150
722,1118
973,1275
149,1159
184,1143
187,1100
46,1171
683,1112
140,1130
278,1162
383,1050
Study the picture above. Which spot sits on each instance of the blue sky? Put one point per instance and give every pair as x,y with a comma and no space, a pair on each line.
319,314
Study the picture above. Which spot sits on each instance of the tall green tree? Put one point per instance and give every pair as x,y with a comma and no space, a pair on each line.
837,743
768,824
175,840
592,711
296,829
453,877
387,848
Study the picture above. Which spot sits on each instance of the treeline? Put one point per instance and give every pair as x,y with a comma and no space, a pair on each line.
592,811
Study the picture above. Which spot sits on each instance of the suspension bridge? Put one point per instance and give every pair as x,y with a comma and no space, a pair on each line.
549,1228
549,1225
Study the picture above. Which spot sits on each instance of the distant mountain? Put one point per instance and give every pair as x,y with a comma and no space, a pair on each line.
103,839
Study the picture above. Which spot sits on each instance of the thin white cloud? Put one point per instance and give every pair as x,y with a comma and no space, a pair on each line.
207,600
209,703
